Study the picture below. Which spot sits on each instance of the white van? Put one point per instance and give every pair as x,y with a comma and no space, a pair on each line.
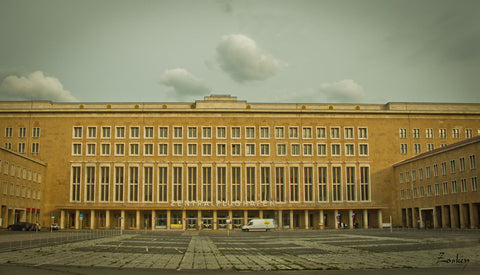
259,225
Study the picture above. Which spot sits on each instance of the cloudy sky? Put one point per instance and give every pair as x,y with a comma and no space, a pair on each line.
348,51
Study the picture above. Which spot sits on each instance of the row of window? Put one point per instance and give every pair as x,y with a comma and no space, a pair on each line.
419,192
21,191
417,148
21,147
228,184
20,172
22,132
429,133
192,149
412,175
206,132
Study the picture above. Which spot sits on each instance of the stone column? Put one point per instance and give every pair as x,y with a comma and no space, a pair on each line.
230,214
335,214
365,218
245,217
137,219
153,220
435,218
77,219
350,219
92,219
291,219
306,219
380,218
199,218
107,219
280,219
260,214
214,226
122,221
420,215
184,219
321,220
168,218
62,219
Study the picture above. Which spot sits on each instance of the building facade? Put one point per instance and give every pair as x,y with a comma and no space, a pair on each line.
439,189
217,162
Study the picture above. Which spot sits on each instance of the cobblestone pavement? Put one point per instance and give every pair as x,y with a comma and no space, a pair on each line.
261,251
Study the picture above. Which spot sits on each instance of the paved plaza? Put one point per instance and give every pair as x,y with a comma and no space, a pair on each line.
259,251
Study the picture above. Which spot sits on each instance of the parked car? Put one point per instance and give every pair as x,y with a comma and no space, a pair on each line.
54,226
35,227
21,226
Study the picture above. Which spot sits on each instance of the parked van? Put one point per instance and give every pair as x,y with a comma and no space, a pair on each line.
259,225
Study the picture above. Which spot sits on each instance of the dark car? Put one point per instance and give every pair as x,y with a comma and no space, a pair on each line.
22,226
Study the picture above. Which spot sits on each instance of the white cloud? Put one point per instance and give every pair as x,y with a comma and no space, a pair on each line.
35,86
183,82
240,57
346,90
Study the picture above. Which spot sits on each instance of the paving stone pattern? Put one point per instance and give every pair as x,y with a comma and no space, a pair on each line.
308,250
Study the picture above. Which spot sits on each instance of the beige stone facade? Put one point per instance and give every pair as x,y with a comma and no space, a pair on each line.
21,183
439,189
219,160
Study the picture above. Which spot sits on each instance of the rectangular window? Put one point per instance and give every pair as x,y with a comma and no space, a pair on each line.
251,188
133,184
321,132
134,132
265,184
349,149
417,148
279,132
236,149
222,184
468,133
236,184
104,183
474,184
349,133
429,133
250,132
162,149
453,166
281,149
148,149
363,149
36,132
177,184
473,162
119,175
280,184
454,186
335,132
402,133
177,149
148,184
336,150
430,147
236,132
207,184
134,149
178,132
91,149
162,184
462,164
221,149
35,147
192,149
293,132
456,133
416,133
437,189
250,149
192,132
162,132
264,132
294,188
22,132
322,149
322,184
105,149
92,132
445,188
207,132
148,132
264,149
363,133
403,148
336,183
435,170
464,187
307,132
77,132
444,168
90,184
307,149
222,132
308,183
206,149
106,132
76,180
351,184
9,131
192,184
442,133
120,132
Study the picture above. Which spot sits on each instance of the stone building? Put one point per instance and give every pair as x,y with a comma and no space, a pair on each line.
219,161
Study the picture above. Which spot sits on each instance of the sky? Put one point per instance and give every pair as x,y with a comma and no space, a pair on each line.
305,51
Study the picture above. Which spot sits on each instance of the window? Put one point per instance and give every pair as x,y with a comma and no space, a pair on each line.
454,186
308,183
148,149
349,150
453,166
22,132
250,149
280,184
106,132
148,132
236,184
462,164
349,133
279,132
75,186
134,151
322,184
7,145
36,132
456,133
403,148
363,148
437,189
420,173
162,132
206,149
177,149
264,132
364,183
192,132
307,149
92,132
416,133
429,133
264,149
77,149
442,133
120,132
250,186
91,149
307,132
321,149
445,187
162,149
444,168
468,133
294,188
293,132
281,149
363,133
221,149
236,132
236,149
435,170
207,132
119,149
402,133
321,133
295,149
430,147
192,183
221,184
207,183
21,147
90,184
417,148
9,131
77,132
351,184
335,132
337,183
336,150
265,184
473,162
250,132
177,184
119,180
177,132
474,184
422,191
133,184
35,146
104,183
192,149
464,187
221,132
429,190
162,184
